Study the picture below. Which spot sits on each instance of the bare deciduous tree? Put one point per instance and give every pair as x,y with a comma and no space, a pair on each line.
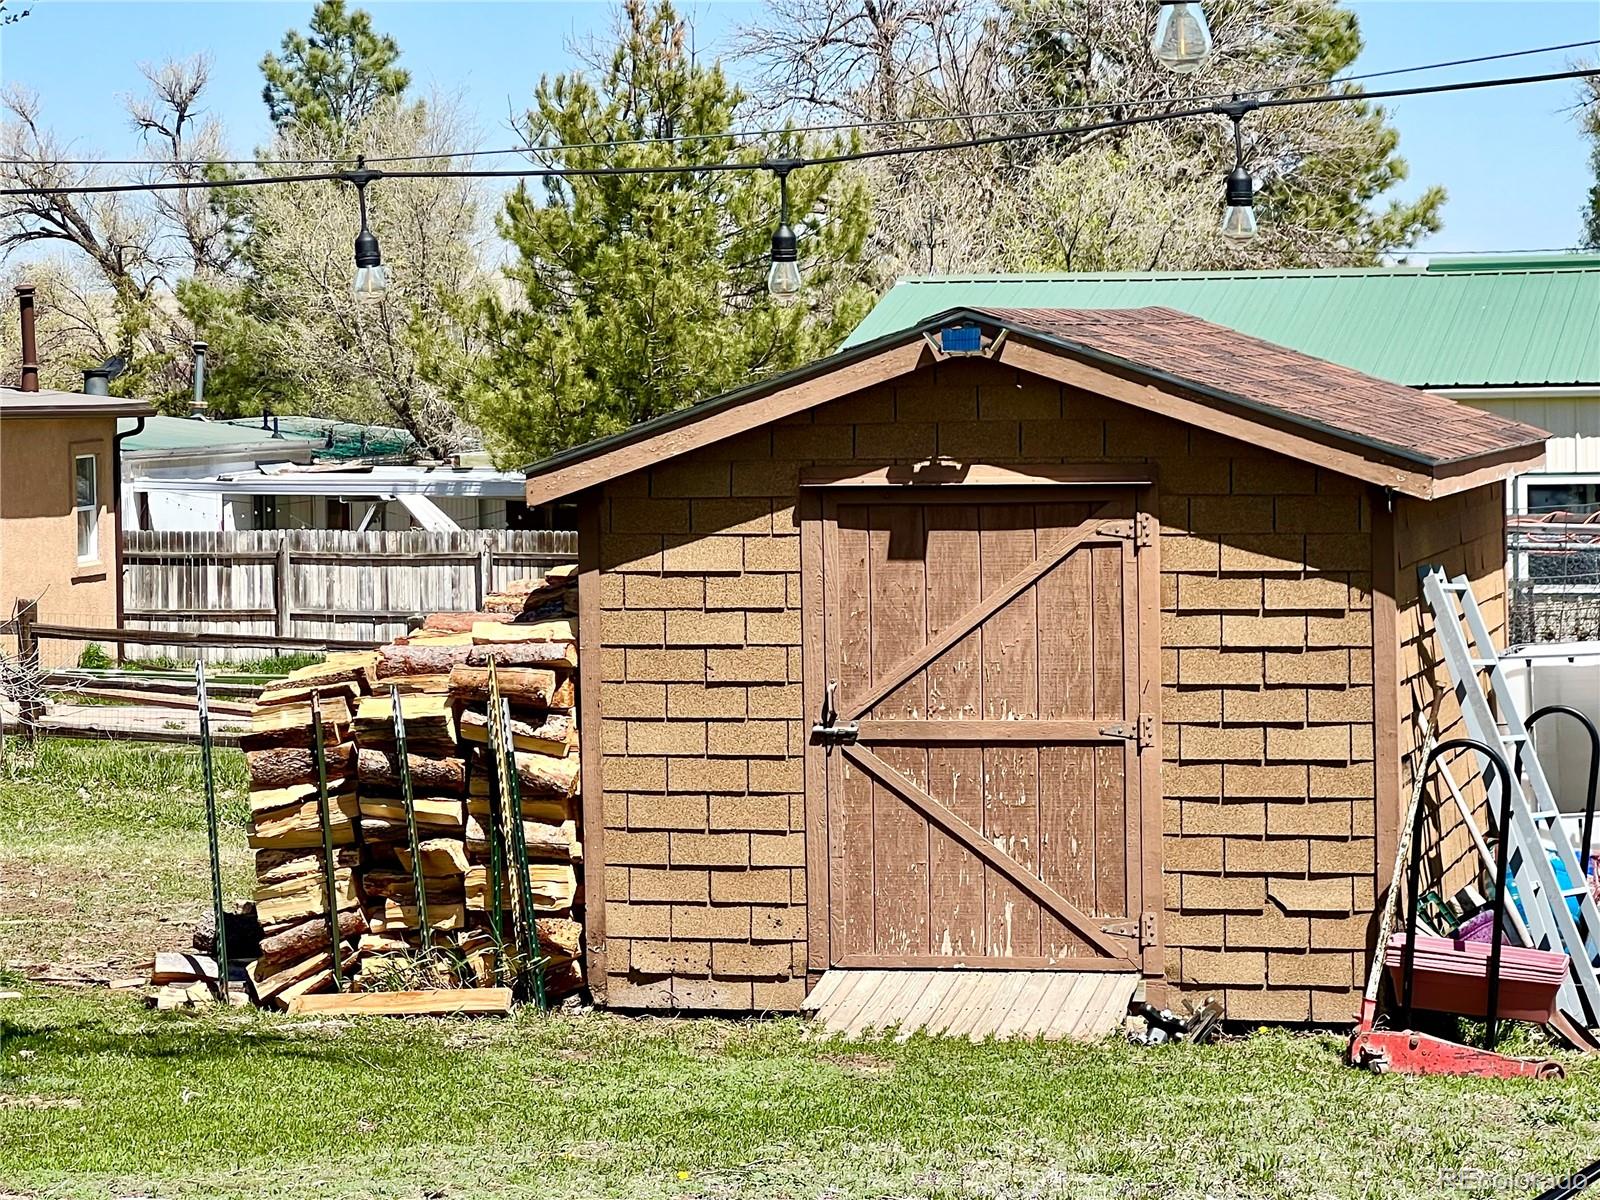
1125,199
183,141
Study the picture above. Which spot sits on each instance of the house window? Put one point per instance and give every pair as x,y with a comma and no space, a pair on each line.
86,505
1577,496
263,512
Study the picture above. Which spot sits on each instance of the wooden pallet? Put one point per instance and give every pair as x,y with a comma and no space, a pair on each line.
975,1004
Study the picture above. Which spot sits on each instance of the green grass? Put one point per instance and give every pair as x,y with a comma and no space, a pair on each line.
120,1101
101,1098
94,656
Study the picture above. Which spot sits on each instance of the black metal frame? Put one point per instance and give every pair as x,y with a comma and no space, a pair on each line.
1593,794
1413,884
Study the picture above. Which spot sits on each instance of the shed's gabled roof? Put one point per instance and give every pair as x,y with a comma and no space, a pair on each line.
1431,429
1527,322
1154,359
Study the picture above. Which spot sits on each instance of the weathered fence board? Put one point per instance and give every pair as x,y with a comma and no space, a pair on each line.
311,584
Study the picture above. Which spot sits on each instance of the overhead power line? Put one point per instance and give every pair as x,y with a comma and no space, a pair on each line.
837,126
1233,108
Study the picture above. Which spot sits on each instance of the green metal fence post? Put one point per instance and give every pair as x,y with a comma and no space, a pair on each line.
211,827
329,872
424,930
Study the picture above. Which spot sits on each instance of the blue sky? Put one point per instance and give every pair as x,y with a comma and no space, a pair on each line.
1512,159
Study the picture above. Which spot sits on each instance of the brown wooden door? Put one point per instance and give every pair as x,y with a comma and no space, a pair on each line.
989,809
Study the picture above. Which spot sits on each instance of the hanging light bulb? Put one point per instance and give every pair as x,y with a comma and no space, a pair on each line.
1239,211
371,282
1239,216
783,277
1182,41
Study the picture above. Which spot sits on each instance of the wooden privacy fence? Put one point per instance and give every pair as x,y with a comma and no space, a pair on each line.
320,584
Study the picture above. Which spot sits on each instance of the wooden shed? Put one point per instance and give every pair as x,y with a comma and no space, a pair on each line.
1110,623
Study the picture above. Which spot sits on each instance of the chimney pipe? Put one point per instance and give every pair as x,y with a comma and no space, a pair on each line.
197,406
97,381
30,348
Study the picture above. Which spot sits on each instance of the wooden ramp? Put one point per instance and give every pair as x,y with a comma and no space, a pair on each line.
975,1004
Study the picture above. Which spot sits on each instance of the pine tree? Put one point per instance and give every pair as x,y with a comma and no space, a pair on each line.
639,294
330,81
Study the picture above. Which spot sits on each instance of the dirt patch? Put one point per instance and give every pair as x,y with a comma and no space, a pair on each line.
40,1102
859,1064
88,916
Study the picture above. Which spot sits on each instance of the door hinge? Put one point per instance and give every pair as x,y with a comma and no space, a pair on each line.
1140,530
1141,732
1143,929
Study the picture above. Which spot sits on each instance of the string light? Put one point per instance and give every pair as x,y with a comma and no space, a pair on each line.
1239,210
1182,41
371,281
783,277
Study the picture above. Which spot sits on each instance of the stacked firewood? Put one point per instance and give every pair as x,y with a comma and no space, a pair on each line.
459,823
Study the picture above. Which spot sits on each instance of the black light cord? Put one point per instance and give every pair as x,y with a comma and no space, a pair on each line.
834,127
994,139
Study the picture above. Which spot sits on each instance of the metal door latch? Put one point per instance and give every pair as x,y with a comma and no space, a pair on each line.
827,730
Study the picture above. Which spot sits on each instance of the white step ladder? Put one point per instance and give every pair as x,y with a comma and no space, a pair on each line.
1536,822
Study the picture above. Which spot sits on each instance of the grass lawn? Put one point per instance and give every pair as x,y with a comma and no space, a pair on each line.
101,1098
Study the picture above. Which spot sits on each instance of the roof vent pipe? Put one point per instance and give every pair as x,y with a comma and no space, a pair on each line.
97,381
197,406
30,348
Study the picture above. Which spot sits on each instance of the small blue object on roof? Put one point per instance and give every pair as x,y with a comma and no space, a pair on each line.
961,339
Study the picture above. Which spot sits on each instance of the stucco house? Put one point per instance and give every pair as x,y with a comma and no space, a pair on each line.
59,465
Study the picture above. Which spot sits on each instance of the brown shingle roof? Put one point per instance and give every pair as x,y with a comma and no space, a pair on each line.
1155,359
1420,425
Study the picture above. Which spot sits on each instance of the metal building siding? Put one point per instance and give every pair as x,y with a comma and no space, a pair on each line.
1455,328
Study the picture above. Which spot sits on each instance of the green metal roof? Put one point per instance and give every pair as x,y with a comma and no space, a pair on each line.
185,433
1459,325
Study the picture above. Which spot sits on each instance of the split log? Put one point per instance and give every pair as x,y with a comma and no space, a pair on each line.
265,987
376,768
525,654
433,811
381,831
279,866
559,936
554,886
398,885
289,723
419,658
266,801
550,809
445,1002
525,686
492,633
285,766
541,775
299,693
459,622
172,967
306,938
373,944
429,722
440,857
300,827
355,666
395,916
303,896
556,734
